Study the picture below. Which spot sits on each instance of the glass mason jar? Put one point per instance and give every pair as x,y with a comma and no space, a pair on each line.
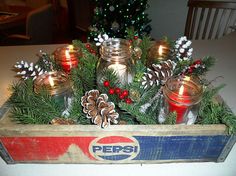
115,53
67,57
57,84
182,95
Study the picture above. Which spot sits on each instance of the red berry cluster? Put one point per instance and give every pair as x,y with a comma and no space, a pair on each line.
135,38
90,49
195,65
122,94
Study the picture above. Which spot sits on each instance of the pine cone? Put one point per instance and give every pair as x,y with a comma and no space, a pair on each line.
97,108
158,74
26,70
182,49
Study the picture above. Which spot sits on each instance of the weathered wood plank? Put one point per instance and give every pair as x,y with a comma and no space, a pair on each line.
115,144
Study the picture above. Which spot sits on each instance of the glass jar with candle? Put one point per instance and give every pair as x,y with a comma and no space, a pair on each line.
67,57
57,84
115,54
182,95
159,51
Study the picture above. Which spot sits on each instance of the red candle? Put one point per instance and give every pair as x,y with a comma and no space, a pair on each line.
177,104
67,57
69,61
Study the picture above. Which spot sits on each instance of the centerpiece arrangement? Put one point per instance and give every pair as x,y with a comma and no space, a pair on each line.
119,81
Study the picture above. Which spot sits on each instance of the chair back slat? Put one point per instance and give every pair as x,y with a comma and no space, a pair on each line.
231,13
188,22
213,23
206,23
220,23
209,19
200,22
193,22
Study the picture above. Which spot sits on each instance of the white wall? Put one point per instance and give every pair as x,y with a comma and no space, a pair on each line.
168,18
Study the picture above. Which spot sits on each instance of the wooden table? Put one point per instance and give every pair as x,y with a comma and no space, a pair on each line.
223,49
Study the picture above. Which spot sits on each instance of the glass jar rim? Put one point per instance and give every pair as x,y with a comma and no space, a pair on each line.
62,84
60,51
116,50
192,80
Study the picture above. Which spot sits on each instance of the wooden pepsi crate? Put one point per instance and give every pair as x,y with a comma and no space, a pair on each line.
116,144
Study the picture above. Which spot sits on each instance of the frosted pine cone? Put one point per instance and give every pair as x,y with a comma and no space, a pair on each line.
97,108
183,49
26,70
158,74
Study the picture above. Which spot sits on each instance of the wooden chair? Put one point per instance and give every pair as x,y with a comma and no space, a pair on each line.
80,14
39,28
210,19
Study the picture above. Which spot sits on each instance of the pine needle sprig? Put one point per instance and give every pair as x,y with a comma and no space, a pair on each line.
111,76
171,119
142,118
214,111
47,62
229,119
87,66
207,63
26,103
145,45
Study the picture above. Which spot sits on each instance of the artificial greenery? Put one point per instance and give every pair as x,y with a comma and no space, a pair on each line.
31,108
214,111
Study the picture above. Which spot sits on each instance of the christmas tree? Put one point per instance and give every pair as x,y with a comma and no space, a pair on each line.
113,17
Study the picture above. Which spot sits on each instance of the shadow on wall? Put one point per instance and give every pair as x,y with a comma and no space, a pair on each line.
168,18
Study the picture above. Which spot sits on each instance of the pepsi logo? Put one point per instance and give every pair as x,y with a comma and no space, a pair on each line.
114,148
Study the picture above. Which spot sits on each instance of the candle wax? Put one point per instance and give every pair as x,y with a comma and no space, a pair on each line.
121,71
68,64
177,105
180,111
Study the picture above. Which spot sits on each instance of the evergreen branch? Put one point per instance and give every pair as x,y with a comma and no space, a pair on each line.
171,119
142,118
87,66
229,119
47,62
111,76
145,45
26,103
214,112
207,63
130,33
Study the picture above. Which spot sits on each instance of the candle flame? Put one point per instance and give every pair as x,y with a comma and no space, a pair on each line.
187,78
51,82
160,50
181,90
67,53
71,47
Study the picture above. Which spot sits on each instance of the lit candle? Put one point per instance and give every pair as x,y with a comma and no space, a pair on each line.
160,50
121,71
178,107
67,57
57,84
182,93
50,80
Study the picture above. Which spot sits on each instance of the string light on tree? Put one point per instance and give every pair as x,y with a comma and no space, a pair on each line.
105,22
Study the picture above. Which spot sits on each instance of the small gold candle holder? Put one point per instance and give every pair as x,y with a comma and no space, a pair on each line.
159,51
